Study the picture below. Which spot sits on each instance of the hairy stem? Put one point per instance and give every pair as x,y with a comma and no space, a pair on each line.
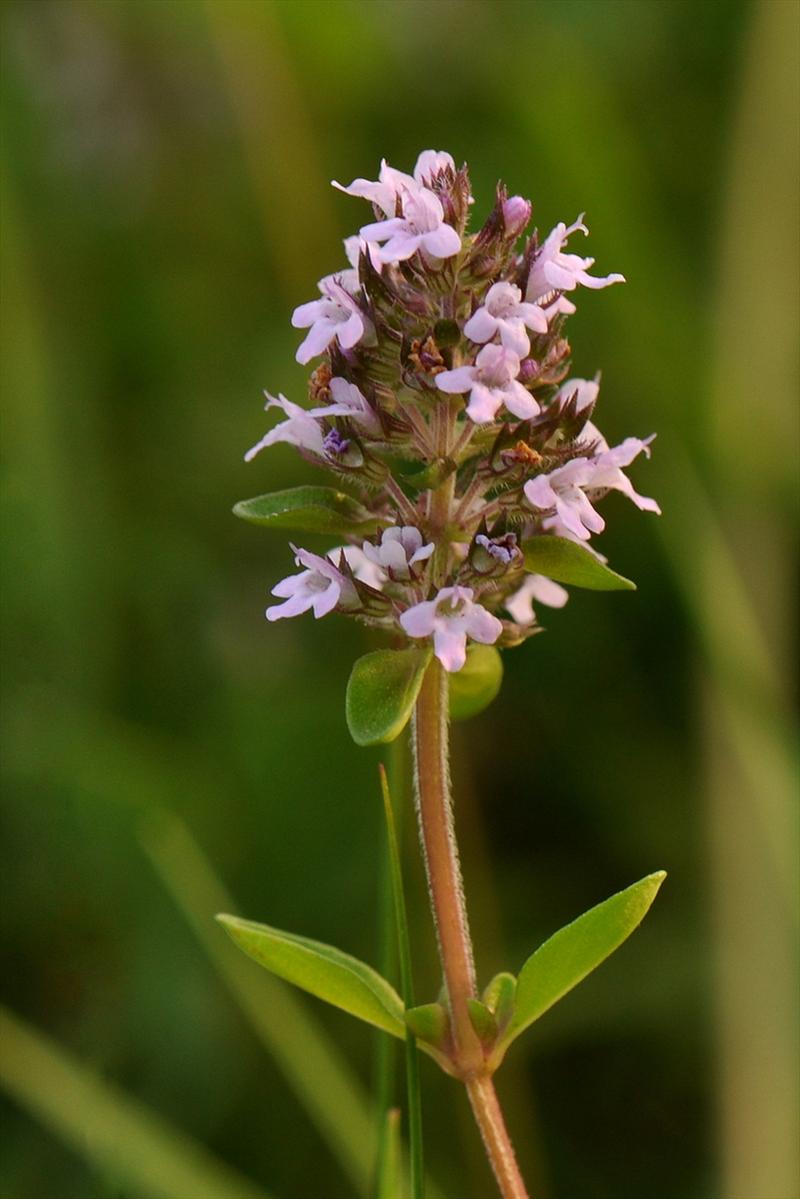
432,779
496,1140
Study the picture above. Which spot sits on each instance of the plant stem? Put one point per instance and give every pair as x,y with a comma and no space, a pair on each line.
434,809
496,1140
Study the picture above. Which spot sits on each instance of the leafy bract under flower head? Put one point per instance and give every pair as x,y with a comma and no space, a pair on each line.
444,406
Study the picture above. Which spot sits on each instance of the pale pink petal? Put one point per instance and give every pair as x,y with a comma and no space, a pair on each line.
382,230
624,454
533,316
559,277
482,625
481,326
643,502
546,591
377,193
520,401
443,242
400,247
594,282
325,601
350,331
298,603
290,585
450,647
540,494
318,339
569,517
484,403
307,314
514,336
430,162
422,553
420,620
393,557
458,381
590,517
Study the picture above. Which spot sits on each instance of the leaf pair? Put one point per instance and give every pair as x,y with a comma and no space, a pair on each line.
384,686
506,1008
326,510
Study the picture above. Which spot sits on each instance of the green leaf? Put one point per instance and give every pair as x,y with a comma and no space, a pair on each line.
483,1021
308,510
321,970
429,1022
499,997
477,683
574,951
568,562
382,691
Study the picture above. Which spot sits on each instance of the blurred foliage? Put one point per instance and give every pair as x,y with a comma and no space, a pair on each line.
165,205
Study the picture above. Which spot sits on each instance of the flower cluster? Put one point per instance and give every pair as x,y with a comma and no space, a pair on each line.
444,404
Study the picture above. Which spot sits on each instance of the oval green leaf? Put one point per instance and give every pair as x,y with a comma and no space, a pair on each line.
308,510
499,997
321,970
477,683
483,1022
577,949
568,562
429,1022
381,693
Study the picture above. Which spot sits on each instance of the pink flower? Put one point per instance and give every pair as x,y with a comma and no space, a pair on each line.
503,312
300,429
450,619
562,493
400,549
391,184
552,270
432,163
363,570
586,391
336,315
534,587
421,227
350,402
319,587
491,382
385,191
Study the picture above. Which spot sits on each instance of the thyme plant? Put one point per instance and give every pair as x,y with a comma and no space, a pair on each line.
467,474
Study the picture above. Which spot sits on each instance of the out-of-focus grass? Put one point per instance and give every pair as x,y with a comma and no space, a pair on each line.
165,203
120,1139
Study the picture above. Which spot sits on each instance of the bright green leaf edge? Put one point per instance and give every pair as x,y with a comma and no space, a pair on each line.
567,562
477,684
381,693
575,950
308,510
323,971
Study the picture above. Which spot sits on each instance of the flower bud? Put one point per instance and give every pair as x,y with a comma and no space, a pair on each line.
516,214
529,369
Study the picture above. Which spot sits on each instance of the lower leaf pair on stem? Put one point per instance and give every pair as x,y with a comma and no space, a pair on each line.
467,1033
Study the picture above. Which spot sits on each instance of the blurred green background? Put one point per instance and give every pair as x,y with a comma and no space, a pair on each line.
165,206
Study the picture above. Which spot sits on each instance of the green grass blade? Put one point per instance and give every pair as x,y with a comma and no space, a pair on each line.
318,1074
112,1131
390,1172
386,1047
407,989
